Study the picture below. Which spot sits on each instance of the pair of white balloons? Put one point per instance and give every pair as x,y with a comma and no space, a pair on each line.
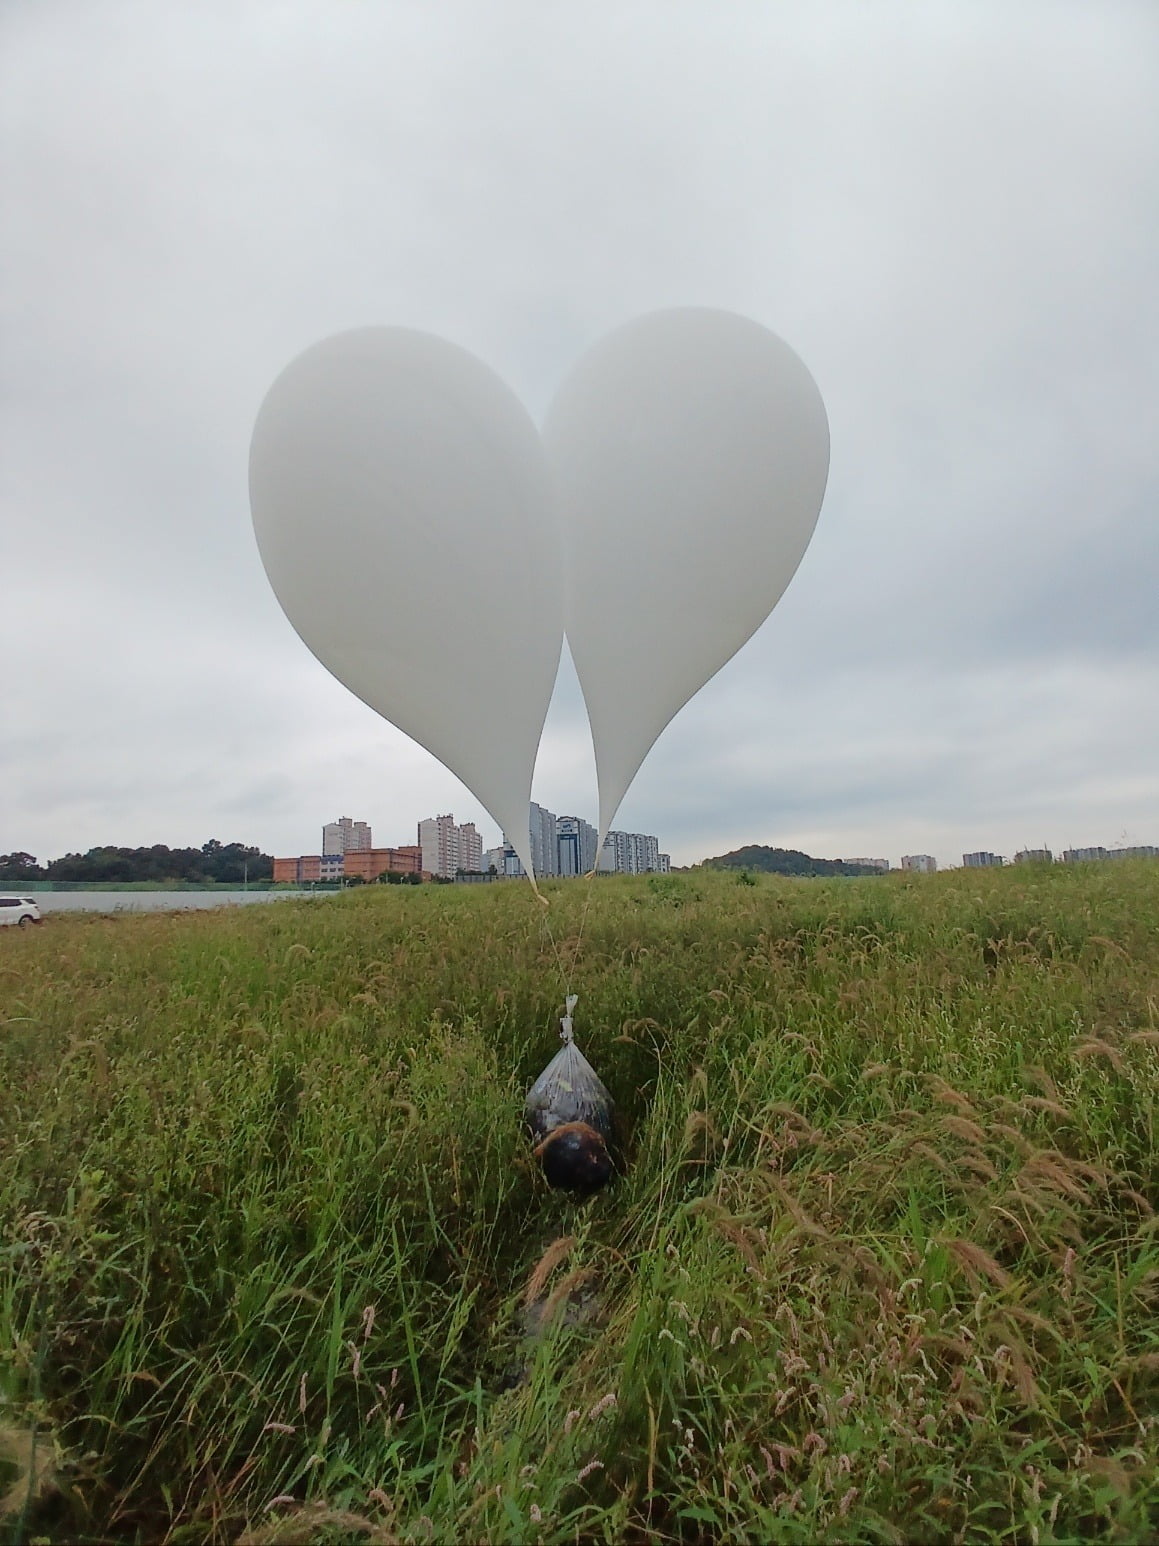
431,547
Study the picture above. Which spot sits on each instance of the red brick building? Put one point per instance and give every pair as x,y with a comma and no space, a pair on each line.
365,864
373,862
294,871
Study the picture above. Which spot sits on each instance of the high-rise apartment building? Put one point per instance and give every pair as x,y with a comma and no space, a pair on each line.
881,865
633,853
345,836
447,848
439,841
470,847
1034,856
920,864
983,860
576,844
543,834
542,840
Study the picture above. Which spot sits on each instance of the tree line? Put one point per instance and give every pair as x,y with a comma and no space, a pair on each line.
226,864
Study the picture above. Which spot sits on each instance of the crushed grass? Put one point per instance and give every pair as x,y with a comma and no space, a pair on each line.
884,1264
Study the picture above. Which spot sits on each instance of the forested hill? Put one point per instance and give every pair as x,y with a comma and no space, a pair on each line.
783,861
224,863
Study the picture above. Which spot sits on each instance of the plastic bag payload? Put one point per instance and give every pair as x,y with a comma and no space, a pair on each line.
571,1116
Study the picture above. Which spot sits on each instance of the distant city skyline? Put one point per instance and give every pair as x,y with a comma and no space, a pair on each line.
565,845
358,837
561,846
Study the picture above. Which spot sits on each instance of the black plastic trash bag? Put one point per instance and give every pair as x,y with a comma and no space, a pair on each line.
571,1115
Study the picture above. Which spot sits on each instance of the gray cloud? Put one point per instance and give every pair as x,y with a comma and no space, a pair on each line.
948,211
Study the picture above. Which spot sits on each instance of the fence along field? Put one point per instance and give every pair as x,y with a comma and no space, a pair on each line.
883,1266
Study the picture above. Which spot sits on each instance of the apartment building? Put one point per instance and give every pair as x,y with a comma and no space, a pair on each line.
470,847
345,836
633,853
575,845
919,864
544,841
448,848
438,837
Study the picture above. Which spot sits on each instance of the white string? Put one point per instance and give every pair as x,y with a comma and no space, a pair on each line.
567,973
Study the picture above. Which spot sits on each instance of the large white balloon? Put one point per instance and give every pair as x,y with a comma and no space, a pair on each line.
690,451
401,503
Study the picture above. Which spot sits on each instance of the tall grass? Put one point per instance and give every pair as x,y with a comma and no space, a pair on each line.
883,1263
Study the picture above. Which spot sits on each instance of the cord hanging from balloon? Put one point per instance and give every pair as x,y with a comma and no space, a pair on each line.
567,972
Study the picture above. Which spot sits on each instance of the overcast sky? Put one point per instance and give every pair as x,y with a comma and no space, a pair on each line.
950,211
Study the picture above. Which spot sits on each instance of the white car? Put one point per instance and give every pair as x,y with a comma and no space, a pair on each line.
18,909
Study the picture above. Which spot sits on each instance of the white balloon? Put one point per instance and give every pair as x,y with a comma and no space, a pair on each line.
402,508
690,451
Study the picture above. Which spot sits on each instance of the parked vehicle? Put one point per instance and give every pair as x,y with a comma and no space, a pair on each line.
18,909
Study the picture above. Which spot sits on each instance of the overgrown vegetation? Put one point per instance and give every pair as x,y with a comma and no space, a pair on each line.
883,1266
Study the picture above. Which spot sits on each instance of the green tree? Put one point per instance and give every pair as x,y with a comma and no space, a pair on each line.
16,868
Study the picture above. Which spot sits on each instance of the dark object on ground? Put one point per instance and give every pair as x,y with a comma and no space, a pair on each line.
575,1158
572,1115
580,1304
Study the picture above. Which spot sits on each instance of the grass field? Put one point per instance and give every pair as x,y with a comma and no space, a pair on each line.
883,1264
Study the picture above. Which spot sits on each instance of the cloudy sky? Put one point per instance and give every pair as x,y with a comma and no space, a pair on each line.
950,211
